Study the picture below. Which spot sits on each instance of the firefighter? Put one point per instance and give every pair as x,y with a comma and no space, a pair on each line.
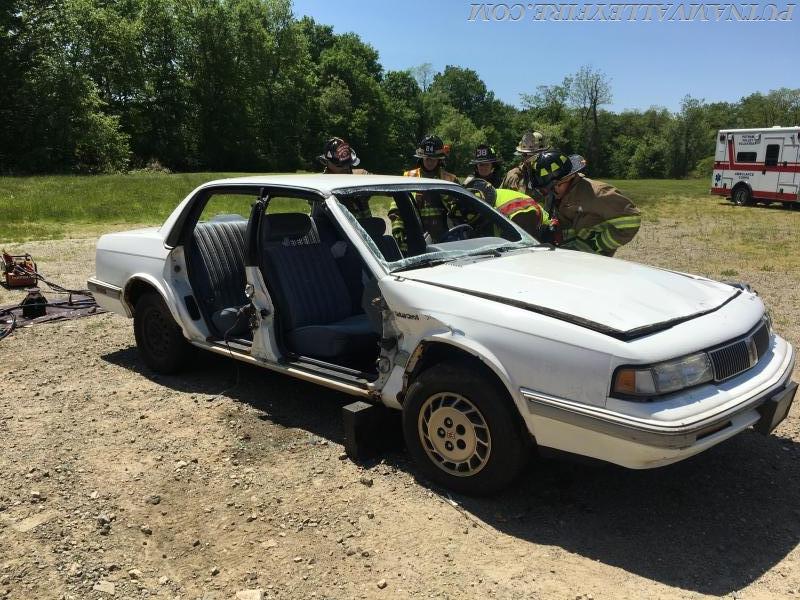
434,210
339,158
430,155
523,210
591,216
520,178
487,166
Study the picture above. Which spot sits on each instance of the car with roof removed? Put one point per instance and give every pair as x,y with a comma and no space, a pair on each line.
489,342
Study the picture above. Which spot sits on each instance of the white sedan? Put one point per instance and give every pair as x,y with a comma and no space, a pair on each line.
487,341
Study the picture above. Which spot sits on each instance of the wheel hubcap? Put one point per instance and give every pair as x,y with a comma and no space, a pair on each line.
454,434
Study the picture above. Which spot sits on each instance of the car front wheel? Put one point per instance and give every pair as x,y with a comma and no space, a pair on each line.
463,431
159,339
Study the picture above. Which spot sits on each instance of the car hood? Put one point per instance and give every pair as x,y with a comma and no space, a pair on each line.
612,296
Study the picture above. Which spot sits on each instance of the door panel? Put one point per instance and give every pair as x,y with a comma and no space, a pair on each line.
788,181
768,181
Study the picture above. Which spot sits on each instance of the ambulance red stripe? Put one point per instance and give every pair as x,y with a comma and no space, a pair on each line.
789,168
758,195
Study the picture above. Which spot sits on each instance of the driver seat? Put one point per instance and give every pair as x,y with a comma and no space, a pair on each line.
376,229
314,306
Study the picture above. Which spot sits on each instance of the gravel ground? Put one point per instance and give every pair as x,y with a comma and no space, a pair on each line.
230,480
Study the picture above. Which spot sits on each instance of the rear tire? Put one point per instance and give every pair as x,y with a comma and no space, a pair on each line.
741,196
158,338
463,431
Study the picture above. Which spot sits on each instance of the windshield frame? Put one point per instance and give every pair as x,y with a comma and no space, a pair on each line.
439,256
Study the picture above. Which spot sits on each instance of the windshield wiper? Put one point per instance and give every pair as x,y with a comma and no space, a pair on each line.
490,252
499,251
427,262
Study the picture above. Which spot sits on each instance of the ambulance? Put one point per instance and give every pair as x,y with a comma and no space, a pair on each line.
757,165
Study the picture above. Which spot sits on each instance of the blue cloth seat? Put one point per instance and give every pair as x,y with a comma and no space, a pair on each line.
376,229
216,267
314,305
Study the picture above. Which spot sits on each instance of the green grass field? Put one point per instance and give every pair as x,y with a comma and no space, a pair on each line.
60,206
684,227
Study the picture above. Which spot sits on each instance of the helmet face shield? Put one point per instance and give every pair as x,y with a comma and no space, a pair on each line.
553,166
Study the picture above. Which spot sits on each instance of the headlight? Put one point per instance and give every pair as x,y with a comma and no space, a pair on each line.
663,378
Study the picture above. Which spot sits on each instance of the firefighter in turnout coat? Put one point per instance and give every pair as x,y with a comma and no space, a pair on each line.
434,209
487,166
523,210
520,178
591,216
339,158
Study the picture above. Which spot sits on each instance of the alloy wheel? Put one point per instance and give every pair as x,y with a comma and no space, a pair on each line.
454,434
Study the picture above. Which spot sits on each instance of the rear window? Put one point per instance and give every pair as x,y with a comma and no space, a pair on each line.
282,204
228,207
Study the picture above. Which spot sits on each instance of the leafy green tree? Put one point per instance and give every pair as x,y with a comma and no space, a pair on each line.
58,121
550,102
94,85
590,89
460,132
160,120
404,112
650,159
423,74
318,37
355,66
464,90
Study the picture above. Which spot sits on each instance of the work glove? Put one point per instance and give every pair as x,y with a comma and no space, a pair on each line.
551,233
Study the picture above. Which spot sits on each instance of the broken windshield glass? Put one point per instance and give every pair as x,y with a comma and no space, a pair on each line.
419,225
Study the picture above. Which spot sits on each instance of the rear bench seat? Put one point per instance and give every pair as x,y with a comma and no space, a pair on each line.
216,263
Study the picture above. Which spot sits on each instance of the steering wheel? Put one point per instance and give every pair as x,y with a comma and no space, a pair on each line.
464,231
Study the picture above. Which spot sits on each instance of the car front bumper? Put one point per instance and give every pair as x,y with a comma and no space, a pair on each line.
761,398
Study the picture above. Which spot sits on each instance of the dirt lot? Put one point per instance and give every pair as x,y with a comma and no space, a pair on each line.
119,482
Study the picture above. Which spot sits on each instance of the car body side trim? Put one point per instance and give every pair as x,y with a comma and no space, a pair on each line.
638,430
100,287
292,371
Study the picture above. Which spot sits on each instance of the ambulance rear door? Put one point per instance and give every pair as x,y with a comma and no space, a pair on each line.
788,176
768,181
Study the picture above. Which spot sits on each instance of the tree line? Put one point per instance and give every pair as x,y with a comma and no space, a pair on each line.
94,86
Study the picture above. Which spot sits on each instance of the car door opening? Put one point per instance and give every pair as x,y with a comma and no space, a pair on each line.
316,281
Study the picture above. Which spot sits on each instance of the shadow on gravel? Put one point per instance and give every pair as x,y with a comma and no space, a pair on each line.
712,524
281,399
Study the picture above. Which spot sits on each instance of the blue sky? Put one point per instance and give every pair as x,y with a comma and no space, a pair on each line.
648,63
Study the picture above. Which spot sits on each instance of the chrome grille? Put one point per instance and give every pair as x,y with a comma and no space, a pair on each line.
740,355
761,338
